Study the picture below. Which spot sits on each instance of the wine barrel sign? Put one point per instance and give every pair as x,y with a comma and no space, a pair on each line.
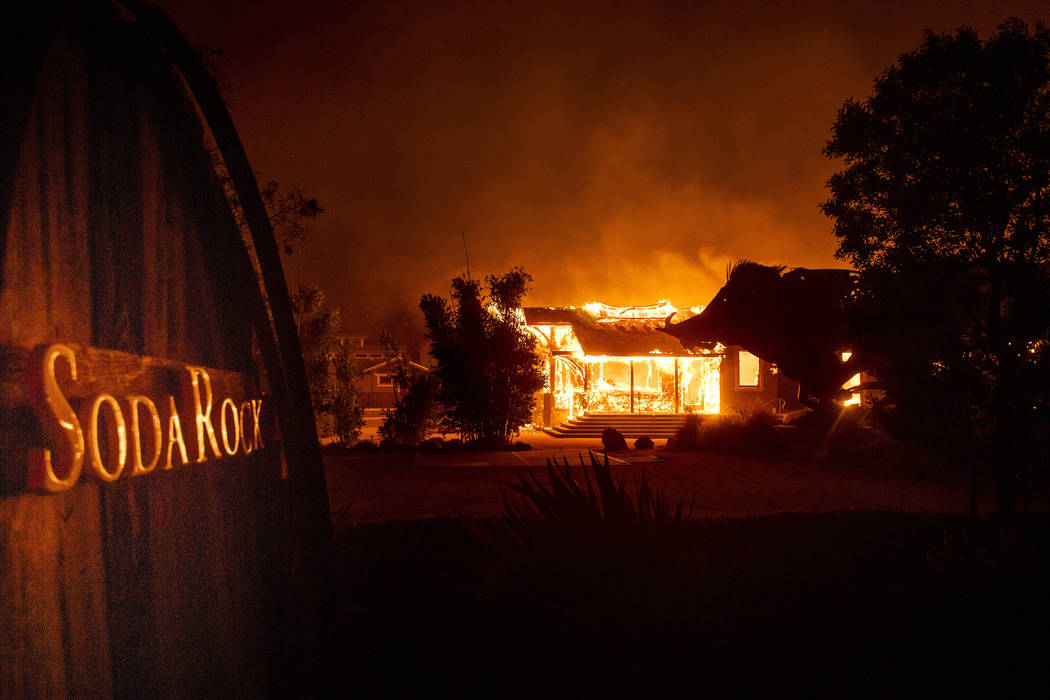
109,439
164,529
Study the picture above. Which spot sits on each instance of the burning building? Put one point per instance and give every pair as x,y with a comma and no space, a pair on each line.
616,359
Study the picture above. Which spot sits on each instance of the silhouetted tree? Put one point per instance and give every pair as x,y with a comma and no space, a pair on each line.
347,409
288,209
333,377
487,364
944,209
416,412
404,325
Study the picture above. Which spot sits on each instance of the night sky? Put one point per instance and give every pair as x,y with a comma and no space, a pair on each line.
621,152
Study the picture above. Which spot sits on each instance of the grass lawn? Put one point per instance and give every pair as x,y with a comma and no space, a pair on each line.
375,487
805,577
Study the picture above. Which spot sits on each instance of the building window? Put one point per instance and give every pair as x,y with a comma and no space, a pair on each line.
747,369
385,380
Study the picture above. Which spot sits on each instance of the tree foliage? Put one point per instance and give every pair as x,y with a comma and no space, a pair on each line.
288,209
347,408
416,412
333,377
487,366
943,206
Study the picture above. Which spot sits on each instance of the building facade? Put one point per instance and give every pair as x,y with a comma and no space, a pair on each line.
373,360
615,359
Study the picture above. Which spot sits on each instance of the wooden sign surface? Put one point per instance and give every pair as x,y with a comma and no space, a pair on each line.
119,255
112,414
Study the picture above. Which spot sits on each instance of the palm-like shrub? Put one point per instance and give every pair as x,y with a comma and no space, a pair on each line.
591,566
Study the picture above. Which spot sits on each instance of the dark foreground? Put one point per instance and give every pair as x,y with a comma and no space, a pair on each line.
857,604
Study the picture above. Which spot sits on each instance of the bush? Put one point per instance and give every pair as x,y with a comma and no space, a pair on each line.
487,362
750,432
687,435
347,411
613,440
432,444
416,413
330,372
1003,562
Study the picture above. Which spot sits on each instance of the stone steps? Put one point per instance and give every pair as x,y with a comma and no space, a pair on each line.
630,425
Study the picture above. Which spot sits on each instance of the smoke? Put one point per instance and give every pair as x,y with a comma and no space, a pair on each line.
619,152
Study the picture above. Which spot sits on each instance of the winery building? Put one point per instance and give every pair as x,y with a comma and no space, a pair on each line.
615,359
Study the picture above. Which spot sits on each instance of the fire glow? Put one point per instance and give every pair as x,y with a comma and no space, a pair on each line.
586,375
853,382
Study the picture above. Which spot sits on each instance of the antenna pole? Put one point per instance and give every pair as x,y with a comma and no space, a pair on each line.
465,253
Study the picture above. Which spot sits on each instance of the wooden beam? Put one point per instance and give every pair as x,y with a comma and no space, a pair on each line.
632,386
677,393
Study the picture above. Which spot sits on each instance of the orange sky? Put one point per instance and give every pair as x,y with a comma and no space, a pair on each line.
619,151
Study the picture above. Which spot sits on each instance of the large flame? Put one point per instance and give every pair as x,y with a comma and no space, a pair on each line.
607,313
661,383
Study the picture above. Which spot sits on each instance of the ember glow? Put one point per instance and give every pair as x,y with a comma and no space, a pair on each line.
605,313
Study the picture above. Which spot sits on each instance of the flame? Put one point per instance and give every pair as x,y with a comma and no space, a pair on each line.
653,312
601,383
698,385
517,314
852,383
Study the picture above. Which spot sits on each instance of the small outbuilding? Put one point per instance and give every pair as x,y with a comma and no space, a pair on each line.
377,382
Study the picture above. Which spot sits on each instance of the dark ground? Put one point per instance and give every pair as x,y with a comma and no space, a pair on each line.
881,599
861,475
843,605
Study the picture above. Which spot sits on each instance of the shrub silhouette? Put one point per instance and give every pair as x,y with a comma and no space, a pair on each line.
613,439
594,565
687,435
750,432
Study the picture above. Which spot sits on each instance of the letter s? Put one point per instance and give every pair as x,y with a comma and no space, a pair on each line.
60,424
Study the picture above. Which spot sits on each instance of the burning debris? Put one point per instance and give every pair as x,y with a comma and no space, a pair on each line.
614,359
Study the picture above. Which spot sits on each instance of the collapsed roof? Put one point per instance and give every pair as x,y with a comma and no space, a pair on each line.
630,337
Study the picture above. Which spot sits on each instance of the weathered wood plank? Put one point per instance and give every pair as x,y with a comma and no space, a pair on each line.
113,373
54,640
100,370
120,243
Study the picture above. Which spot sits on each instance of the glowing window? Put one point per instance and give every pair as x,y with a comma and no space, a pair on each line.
385,380
748,366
